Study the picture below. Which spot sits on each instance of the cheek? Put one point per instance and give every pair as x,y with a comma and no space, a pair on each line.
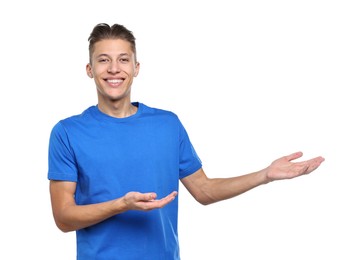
98,68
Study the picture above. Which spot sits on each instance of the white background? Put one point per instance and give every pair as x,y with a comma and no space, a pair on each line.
250,80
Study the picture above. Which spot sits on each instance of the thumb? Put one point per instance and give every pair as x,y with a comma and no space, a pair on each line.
149,196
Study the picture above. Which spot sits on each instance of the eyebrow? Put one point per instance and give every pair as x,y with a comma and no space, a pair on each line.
120,55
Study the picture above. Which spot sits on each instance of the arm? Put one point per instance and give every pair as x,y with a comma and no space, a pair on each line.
69,216
206,190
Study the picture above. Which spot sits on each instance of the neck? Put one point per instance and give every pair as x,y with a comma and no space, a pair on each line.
119,110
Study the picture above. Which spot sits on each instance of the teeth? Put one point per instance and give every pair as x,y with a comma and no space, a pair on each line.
114,81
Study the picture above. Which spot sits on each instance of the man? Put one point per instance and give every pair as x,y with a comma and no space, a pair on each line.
114,170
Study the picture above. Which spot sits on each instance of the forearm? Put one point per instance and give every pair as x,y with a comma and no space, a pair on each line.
69,216
218,189
74,217
226,188
206,190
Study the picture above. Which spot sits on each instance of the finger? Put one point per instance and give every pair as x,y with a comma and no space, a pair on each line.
315,163
147,196
311,165
169,197
155,204
294,156
173,194
318,159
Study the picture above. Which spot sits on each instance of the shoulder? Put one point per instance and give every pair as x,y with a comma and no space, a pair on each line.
153,111
160,117
75,119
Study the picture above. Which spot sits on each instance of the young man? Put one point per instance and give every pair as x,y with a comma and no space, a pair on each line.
114,170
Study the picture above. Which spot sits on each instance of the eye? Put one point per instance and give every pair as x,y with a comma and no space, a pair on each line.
103,60
124,60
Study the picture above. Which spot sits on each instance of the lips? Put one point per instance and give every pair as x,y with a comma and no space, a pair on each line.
114,82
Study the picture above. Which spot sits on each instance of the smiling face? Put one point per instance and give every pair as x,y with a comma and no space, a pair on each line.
113,67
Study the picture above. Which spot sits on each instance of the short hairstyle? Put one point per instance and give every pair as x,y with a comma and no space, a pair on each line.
103,31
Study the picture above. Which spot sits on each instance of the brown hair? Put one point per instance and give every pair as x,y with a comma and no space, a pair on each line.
103,31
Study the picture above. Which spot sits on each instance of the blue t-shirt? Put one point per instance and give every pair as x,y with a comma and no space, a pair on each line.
109,157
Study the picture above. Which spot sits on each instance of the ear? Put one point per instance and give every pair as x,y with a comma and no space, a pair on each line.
137,69
89,70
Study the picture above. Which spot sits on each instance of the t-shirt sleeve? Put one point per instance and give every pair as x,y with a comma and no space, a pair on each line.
189,161
61,159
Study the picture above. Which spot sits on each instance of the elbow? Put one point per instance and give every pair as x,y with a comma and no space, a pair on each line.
65,228
205,196
205,199
205,203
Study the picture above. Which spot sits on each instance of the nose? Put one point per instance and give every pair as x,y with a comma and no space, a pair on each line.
114,67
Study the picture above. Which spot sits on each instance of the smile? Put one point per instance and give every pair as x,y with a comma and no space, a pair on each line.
114,81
